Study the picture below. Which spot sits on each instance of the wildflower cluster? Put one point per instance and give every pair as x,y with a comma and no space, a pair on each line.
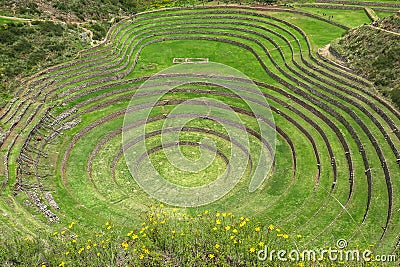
167,237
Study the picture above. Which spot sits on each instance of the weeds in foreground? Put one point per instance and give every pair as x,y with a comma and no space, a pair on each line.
165,237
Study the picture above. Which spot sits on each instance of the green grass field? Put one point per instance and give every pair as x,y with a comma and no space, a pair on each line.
66,180
3,20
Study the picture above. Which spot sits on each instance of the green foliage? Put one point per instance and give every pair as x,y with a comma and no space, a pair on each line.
391,23
29,8
95,9
22,46
26,48
50,28
6,37
374,54
395,95
99,29
5,95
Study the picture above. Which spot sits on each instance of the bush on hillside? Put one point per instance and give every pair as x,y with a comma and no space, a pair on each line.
374,54
26,49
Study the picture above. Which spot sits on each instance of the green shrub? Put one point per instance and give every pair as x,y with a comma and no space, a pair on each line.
6,37
374,54
22,46
25,48
395,96
50,28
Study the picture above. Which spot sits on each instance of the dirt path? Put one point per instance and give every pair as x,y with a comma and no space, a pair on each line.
384,30
326,53
15,18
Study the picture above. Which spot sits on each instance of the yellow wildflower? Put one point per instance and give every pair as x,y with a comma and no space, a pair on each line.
227,228
71,225
257,229
141,256
62,264
234,231
252,250
224,214
125,245
211,255
218,221
261,244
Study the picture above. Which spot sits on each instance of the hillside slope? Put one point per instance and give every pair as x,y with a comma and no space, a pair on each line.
76,10
374,54
29,47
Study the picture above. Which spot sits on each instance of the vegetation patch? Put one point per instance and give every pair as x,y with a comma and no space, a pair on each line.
27,48
375,54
